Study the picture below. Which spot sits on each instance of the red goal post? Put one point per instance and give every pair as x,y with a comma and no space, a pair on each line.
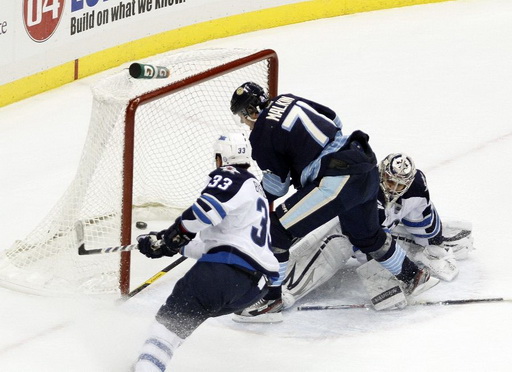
269,56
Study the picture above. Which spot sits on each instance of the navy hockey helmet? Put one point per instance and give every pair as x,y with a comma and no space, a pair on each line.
397,172
248,99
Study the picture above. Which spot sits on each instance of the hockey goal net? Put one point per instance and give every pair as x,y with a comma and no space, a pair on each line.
147,153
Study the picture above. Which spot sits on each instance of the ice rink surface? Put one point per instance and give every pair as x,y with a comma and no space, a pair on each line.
434,81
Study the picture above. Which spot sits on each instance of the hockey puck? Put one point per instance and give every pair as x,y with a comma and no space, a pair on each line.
141,225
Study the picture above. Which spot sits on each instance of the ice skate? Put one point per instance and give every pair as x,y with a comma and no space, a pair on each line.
263,311
421,282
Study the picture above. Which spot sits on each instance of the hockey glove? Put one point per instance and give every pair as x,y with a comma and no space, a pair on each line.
150,245
175,237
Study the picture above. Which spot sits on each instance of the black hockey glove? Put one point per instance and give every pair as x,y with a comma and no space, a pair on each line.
175,236
150,245
166,242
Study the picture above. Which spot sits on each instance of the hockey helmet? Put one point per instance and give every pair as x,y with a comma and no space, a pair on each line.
233,148
248,99
397,173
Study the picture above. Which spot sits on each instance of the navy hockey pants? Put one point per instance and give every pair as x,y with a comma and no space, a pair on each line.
208,289
348,189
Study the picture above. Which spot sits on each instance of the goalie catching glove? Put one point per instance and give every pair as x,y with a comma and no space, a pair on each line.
166,242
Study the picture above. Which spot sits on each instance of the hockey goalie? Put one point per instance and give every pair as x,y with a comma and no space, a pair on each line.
408,213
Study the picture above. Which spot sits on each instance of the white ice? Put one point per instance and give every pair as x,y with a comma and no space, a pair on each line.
434,81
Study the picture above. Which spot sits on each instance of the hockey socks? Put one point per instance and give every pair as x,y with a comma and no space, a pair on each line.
158,349
394,259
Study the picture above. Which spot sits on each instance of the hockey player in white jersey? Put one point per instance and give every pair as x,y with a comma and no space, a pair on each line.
408,213
234,260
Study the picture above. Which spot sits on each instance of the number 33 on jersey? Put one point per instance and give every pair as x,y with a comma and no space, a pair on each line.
234,207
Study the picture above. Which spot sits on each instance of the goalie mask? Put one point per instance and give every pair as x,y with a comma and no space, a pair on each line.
248,99
233,148
397,173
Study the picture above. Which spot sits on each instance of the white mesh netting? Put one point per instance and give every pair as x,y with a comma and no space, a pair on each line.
173,154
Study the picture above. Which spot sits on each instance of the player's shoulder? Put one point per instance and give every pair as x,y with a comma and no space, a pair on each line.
227,181
285,97
233,172
419,187
279,105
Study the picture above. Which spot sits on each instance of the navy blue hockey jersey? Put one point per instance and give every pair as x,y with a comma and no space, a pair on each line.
289,138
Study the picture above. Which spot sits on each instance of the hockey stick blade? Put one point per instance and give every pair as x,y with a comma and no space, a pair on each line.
418,303
82,251
334,307
462,302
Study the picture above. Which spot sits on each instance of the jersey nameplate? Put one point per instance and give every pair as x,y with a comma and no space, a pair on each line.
277,109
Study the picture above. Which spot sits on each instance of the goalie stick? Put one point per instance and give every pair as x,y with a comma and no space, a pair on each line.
458,236
418,303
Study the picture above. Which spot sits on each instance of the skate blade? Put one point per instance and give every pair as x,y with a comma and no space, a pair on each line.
263,318
433,281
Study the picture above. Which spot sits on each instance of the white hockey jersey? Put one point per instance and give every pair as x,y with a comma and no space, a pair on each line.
414,212
232,219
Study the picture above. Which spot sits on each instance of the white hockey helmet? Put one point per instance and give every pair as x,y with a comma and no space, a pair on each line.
397,173
233,148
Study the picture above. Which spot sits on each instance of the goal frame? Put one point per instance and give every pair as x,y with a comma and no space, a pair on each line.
129,143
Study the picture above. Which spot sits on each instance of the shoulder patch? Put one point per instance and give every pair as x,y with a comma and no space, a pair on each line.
229,169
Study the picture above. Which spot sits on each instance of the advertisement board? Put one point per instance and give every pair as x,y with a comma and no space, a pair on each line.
36,35
47,43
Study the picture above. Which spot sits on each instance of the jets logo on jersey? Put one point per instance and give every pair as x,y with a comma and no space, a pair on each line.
230,169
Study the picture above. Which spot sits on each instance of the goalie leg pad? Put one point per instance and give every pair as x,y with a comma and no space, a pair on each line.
314,260
383,287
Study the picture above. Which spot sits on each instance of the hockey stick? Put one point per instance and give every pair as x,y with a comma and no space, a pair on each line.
122,248
154,278
333,307
458,236
79,228
418,303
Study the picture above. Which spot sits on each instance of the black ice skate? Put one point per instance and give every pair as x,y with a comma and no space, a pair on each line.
263,311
